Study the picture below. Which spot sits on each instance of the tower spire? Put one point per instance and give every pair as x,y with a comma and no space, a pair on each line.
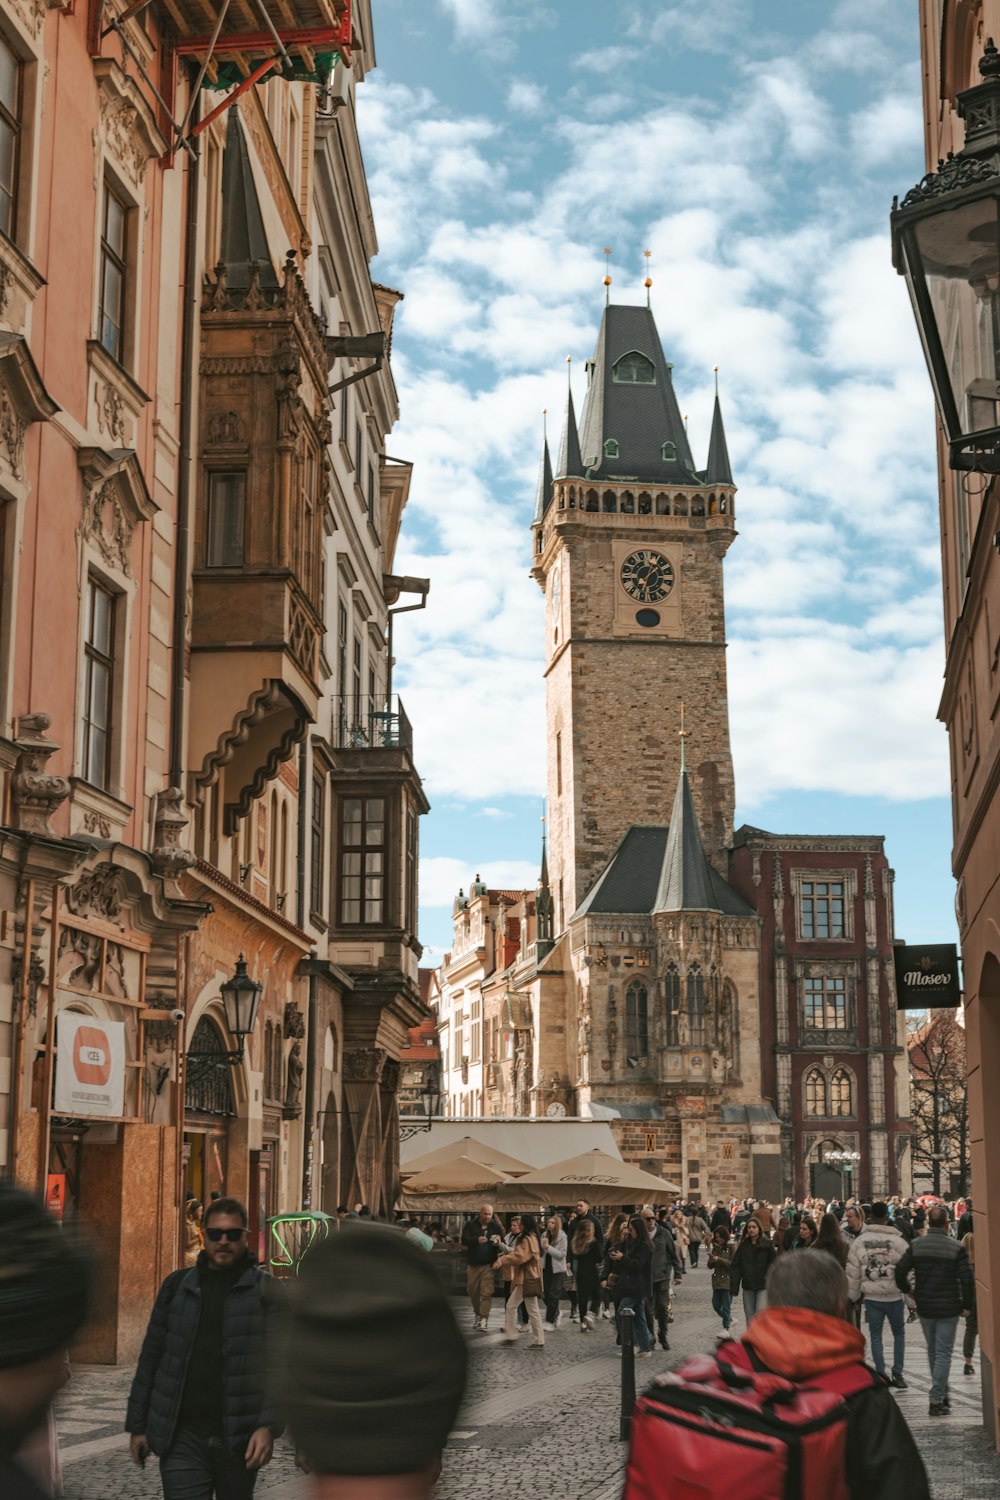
718,470
543,496
543,907
686,882
570,465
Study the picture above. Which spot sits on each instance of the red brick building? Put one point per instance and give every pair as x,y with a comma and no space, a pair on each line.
833,1046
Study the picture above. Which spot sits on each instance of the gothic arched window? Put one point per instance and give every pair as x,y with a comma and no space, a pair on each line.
609,501
636,1024
696,1005
207,1089
841,1100
731,1030
634,369
672,988
611,449
628,503
815,1092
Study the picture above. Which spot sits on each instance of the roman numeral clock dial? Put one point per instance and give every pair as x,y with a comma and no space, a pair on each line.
647,576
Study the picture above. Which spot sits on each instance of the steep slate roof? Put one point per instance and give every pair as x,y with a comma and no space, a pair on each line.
242,238
570,465
718,470
631,882
543,497
686,875
641,418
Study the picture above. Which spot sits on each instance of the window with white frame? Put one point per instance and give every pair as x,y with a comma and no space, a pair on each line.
11,106
113,286
98,684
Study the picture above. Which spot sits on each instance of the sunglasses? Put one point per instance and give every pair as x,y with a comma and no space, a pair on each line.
232,1235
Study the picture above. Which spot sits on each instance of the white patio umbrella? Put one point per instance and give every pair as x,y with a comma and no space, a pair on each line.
489,1156
460,1185
597,1177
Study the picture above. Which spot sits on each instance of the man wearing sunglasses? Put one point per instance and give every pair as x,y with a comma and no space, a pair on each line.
201,1398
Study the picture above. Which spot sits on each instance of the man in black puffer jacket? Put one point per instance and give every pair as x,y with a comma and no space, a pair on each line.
201,1396
943,1287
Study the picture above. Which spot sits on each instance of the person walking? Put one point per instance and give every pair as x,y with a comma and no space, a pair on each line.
971,1317
554,1270
698,1232
482,1239
193,1243
752,1259
682,1238
526,1287
804,1237
633,1266
661,1270
720,1260
871,1274
507,1270
586,1248
202,1396
830,1238
942,1285
720,1215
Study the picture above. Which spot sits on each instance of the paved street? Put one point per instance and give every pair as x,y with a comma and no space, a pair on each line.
554,1413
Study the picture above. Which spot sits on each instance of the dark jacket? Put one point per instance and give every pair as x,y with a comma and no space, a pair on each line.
15,1484
482,1255
634,1271
665,1257
251,1324
943,1285
750,1265
586,1246
720,1219
965,1225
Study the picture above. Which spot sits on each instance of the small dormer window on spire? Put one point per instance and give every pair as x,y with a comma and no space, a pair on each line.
669,452
634,369
611,449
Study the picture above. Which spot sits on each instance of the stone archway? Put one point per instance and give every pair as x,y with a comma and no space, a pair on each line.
330,1156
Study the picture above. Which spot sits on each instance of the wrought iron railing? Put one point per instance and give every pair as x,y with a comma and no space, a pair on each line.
363,722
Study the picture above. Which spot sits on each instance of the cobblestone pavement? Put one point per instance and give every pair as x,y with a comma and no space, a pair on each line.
546,1414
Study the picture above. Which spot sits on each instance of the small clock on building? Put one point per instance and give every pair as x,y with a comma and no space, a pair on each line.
556,1110
647,576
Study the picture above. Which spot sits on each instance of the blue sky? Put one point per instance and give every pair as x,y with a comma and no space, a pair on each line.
754,147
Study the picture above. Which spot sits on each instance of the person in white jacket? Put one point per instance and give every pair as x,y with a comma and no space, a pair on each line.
871,1274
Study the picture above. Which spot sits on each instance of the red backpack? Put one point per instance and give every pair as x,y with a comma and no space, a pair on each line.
721,1428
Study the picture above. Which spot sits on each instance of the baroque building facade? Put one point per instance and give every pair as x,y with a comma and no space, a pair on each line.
201,753
648,985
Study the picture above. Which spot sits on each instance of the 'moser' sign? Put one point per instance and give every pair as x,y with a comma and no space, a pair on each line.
90,1066
927,977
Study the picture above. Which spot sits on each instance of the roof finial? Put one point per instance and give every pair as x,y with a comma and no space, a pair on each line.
545,424
569,371
607,274
682,736
716,380
649,280
685,421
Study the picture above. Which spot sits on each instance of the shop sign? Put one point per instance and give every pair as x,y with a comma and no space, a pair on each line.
927,976
90,1067
55,1194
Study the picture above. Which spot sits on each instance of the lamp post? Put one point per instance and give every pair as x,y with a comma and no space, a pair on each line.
946,242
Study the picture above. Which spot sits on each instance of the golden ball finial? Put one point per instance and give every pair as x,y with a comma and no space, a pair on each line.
607,281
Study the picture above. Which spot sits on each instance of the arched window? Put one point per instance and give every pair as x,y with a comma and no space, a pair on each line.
696,1005
731,1030
283,852
272,834
815,1092
611,449
207,1089
634,369
672,990
669,452
680,505
610,501
628,503
645,503
268,1070
636,1024
593,500
841,1100
663,505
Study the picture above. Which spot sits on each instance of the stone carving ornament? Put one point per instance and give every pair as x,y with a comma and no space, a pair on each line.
96,894
170,858
12,430
106,524
35,795
121,134
294,1024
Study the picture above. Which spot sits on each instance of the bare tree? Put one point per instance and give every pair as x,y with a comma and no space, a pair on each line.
939,1095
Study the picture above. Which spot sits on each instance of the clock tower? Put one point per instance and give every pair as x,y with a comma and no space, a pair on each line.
629,540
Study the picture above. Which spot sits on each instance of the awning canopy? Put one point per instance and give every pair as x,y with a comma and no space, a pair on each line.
536,1142
472,1149
598,1178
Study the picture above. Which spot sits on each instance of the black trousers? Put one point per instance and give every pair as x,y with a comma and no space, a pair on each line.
552,1282
588,1288
198,1467
657,1309
693,1252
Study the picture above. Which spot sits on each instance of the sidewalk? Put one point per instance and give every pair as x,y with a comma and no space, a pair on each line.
554,1413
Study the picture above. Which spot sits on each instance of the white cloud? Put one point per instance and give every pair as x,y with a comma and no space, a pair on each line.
526,98
890,127
443,876
494,812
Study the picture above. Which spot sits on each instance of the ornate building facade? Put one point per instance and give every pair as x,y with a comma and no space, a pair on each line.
655,981
200,751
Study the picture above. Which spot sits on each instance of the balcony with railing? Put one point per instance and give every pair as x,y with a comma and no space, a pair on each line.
363,722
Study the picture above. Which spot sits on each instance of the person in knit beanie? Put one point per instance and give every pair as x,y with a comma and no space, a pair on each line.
44,1287
374,1367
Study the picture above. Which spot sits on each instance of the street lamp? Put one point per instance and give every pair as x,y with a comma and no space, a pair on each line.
430,1099
946,242
241,999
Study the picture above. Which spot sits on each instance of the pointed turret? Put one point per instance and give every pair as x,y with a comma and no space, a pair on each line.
718,470
570,464
243,240
543,499
686,882
543,908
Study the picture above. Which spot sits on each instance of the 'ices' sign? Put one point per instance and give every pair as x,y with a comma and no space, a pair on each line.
927,977
90,1066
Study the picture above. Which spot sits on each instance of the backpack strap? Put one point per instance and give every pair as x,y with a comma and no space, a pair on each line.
846,1380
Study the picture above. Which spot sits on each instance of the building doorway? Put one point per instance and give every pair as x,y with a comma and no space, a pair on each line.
208,1108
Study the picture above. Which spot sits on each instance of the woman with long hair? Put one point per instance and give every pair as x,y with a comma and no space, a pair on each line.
720,1260
805,1237
752,1259
193,1243
525,1259
631,1260
831,1239
554,1270
610,1295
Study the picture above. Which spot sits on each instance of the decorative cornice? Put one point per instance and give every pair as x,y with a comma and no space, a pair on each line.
23,399
128,126
35,795
953,173
115,498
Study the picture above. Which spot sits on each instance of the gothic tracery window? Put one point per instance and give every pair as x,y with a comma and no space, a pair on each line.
672,989
696,1005
841,1101
636,1024
815,1092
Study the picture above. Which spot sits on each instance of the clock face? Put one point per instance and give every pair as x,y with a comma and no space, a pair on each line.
647,576
556,1110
